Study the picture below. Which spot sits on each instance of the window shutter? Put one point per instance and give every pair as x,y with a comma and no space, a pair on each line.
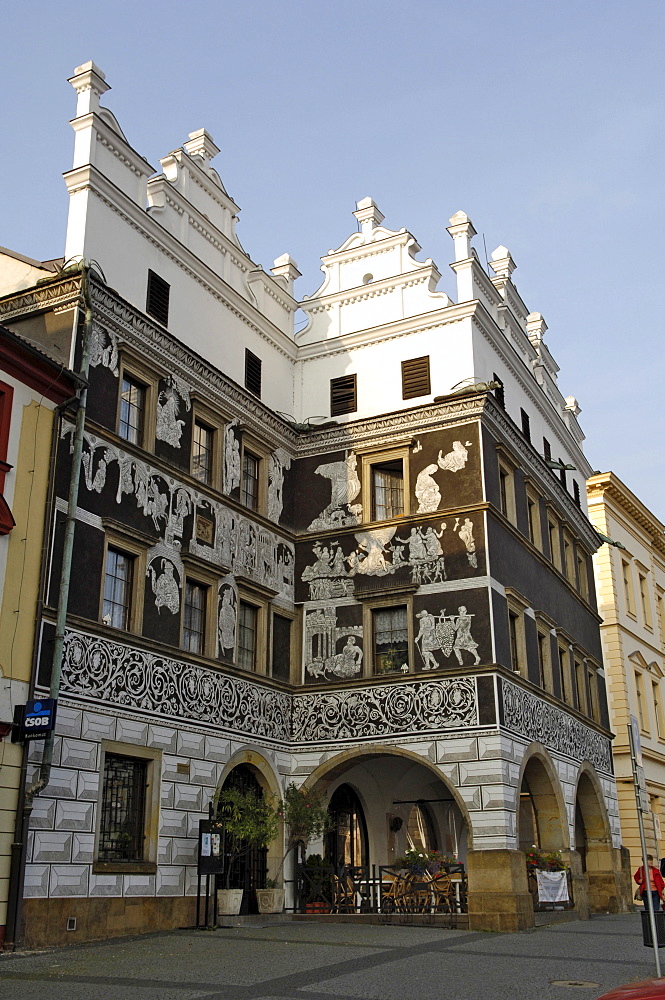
526,424
157,300
576,493
499,392
253,373
415,378
547,450
343,395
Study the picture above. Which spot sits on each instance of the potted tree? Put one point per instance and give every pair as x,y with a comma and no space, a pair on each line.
304,815
250,820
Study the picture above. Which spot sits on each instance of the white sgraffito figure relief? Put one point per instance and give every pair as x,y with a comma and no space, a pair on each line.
327,576
455,459
168,426
428,493
102,353
279,461
165,587
96,482
227,618
345,487
369,559
231,457
465,535
323,658
446,634
416,448
426,557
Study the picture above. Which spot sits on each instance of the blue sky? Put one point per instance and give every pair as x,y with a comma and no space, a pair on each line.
543,121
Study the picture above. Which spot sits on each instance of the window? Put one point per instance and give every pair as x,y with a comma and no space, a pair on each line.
554,537
580,688
628,587
122,824
390,640
253,373
544,664
415,378
582,575
247,636
249,488
657,708
343,395
547,450
157,298
533,517
576,493
126,836
118,588
564,660
387,490
499,392
194,617
281,647
562,473
517,604
513,632
202,451
132,409
506,492
526,424
594,707
569,557
659,614
644,599
641,709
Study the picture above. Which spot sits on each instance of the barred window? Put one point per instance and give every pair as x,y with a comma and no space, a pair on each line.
391,639
116,607
122,826
132,410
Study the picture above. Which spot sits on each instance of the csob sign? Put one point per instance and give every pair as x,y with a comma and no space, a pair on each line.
38,718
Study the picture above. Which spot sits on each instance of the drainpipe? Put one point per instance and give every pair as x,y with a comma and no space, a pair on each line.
15,900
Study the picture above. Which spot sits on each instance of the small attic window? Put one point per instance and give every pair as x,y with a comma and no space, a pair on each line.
252,373
343,395
415,377
367,278
157,298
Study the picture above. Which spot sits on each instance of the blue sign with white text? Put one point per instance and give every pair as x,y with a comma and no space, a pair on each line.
39,718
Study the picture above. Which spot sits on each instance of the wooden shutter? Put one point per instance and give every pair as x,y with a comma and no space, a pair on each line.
343,395
499,392
157,299
526,424
253,373
415,378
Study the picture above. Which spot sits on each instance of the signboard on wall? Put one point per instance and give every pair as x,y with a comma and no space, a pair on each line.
211,847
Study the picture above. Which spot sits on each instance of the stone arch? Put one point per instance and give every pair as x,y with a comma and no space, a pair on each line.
591,810
336,765
269,782
538,778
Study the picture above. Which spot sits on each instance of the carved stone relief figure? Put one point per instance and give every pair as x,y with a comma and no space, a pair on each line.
345,487
323,658
428,493
231,457
465,534
227,617
169,427
279,461
425,554
327,576
165,587
446,634
102,353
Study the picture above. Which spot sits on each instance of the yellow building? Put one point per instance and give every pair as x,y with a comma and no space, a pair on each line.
32,385
630,582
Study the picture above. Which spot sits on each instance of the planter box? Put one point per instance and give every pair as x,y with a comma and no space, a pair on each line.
317,907
229,901
270,900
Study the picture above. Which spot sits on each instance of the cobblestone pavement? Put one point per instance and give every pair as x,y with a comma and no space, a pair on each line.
310,961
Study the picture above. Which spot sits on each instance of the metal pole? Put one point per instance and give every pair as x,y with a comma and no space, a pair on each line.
643,843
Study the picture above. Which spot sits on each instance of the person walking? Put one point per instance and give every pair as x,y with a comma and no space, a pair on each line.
656,883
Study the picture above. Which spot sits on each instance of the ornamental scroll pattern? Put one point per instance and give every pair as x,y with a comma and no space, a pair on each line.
137,679
387,710
538,720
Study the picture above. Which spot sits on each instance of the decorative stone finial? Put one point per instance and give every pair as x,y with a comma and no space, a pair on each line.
89,83
535,328
502,263
572,405
368,215
285,267
202,145
462,231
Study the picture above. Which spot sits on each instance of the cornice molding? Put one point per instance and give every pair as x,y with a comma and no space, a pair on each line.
51,295
607,484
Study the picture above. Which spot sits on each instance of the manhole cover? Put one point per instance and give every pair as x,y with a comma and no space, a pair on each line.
579,984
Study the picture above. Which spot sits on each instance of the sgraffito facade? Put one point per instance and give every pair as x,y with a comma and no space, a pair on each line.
395,606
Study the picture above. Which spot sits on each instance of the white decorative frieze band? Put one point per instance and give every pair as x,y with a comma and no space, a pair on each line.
386,710
536,719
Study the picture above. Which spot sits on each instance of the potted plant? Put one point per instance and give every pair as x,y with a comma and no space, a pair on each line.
304,815
423,863
250,820
317,887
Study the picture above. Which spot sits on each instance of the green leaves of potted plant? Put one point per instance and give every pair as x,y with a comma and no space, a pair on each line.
304,814
250,821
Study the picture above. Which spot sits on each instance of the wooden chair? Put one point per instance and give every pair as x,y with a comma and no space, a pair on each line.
344,894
